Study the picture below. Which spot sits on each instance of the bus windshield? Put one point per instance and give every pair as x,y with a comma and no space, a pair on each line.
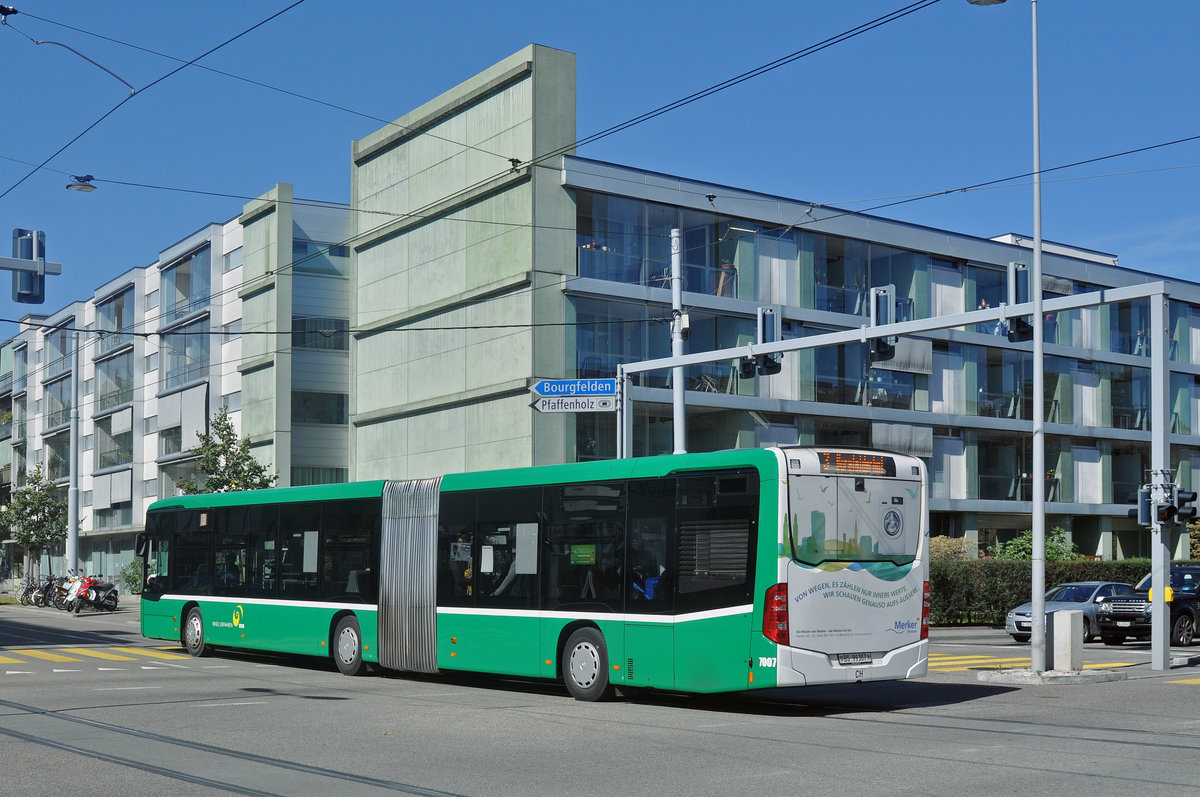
854,519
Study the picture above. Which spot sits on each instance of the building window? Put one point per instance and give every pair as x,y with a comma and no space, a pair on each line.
314,257
20,366
232,401
321,333
185,286
114,320
58,456
58,352
231,260
169,476
170,441
114,381
58,402
231,331
324,408
116,516
112,448
186,353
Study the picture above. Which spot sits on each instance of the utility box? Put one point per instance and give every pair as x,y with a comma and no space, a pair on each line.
1064,641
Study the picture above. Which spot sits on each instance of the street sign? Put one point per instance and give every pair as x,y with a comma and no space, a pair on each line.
575,404
575,387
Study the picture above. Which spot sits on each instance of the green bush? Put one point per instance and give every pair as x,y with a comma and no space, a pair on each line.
983,591
130,577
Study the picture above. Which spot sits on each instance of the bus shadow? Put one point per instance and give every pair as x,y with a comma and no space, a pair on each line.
29,633
829,699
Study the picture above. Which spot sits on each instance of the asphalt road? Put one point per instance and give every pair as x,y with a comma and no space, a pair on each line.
86,703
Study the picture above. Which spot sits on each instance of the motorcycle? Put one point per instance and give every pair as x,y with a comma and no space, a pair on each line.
99,595
72,595
62,589
44,596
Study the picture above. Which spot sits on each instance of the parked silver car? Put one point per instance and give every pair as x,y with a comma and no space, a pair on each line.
1078,595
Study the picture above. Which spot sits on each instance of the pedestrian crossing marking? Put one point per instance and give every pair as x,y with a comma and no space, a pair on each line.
46,655
98,654
10,660
1186,681
947,663
150,652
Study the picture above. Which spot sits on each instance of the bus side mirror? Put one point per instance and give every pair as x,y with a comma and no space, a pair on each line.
141,544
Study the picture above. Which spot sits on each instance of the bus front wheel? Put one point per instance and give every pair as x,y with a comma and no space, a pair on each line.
347,647
193,633
585,665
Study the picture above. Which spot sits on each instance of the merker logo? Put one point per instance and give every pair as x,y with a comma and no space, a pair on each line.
906,625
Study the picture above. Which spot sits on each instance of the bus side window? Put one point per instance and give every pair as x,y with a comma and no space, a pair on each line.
502,579
299,541
456,549
717,518
584,552
650,561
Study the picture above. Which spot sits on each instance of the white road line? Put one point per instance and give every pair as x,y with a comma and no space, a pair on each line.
218,705
123,688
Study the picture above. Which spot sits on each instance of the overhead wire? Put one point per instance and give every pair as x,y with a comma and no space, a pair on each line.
149,85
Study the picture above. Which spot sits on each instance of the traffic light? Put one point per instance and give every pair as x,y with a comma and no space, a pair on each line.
1019,330
769,330
883,312
1141,512
1165,513
29,287
1184,513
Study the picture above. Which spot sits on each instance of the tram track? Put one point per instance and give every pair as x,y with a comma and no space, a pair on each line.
292,777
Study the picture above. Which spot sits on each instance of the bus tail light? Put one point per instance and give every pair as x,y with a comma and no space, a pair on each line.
925,612
775,615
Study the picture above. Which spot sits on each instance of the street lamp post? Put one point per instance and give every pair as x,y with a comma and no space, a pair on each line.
1038,626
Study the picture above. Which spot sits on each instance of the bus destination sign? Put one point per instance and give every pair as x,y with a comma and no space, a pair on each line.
855,463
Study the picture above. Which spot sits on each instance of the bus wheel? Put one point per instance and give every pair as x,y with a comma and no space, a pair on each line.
193,633
585,665
347,647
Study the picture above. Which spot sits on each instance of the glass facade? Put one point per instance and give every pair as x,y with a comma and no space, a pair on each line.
184,355
964,396
114,320
114,381
185,286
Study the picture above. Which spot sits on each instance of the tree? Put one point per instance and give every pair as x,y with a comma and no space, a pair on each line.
1020,549
35,516
226,464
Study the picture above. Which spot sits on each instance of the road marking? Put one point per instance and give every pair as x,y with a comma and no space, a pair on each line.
99,654
124,688
1102,665
44,654
10,660
151,653
218,705
111,669
58,670
18,672
1186,681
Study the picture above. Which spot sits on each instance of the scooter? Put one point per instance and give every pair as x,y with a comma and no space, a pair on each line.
101,596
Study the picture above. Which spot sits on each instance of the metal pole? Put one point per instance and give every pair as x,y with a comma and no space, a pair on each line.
677,411
1038,627
1160,467
72,552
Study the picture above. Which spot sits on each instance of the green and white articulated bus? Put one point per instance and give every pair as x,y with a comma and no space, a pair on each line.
713,572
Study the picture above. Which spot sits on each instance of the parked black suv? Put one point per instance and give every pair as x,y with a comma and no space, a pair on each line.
1122,616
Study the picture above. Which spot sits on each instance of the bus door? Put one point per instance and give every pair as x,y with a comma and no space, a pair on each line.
649,588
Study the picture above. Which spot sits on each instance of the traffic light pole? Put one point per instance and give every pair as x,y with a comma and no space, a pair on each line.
1160,466
1155,292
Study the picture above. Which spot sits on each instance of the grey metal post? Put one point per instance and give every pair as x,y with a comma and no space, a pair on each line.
1038,627
677,412
72,552
624,414
1160,466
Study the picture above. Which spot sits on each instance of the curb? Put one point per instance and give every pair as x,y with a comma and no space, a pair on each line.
1031,678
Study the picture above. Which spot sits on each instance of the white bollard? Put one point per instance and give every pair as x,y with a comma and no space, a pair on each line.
1064,640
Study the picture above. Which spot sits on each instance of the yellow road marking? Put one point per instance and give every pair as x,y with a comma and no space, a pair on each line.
1105,665
1186,681
154,654
44,654
10,660
97,654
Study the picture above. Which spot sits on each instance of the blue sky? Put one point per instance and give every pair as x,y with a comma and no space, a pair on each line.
937,100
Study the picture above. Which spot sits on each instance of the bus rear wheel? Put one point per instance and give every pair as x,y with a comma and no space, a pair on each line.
193,633
347,647
585,665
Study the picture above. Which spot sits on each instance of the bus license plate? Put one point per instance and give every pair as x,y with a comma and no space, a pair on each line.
854,658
